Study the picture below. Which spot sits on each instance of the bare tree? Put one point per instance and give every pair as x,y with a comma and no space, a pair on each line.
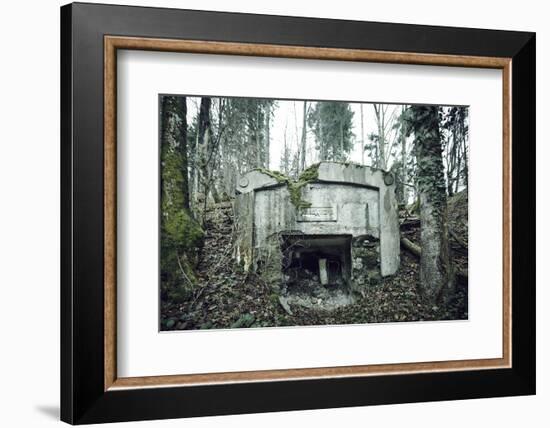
207,148
362,136
267,135
387,134
304,136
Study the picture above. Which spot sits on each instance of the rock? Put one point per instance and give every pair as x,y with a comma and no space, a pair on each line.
285,305
170,323
375,278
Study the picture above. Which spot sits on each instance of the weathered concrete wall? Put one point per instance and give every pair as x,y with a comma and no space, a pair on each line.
254,180
268,261
336,209
273,213
389,221
365,258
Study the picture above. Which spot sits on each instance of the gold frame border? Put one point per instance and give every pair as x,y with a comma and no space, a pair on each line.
113,43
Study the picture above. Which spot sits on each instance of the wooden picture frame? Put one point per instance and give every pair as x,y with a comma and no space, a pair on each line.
91,390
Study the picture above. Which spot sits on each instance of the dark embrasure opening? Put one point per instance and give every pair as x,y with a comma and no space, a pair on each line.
316,259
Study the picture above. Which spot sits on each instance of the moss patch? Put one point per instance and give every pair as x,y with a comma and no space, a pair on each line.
309,175
187,229
181,237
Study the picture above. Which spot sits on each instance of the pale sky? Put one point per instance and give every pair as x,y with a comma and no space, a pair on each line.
289,112
287,118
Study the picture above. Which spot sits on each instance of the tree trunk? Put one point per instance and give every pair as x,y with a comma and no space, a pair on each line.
267,136
182,105
458,167
196,161
411,246
323,148
203,143
304,135
451,163
296,162
450,169
461,275
285,158
382,140
174,180
362,136
465,158
379,113
403,141
259,162
168,127
436,277
341,157
180,234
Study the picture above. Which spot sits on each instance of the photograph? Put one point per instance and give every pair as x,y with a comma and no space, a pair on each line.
288,212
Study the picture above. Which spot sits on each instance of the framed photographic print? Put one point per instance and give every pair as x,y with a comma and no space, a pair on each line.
265,213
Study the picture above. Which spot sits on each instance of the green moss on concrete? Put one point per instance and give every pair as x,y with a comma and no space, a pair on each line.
277,175
309,175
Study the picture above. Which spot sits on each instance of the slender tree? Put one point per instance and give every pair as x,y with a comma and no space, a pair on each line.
286,157
304,137
207,147
363,148
203,139
182,104
388,129
403,177
380,114
268,113
400,159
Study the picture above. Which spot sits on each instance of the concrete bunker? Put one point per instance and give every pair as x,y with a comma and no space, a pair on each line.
325,236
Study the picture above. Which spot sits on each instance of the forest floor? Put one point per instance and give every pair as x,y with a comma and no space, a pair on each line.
227,297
